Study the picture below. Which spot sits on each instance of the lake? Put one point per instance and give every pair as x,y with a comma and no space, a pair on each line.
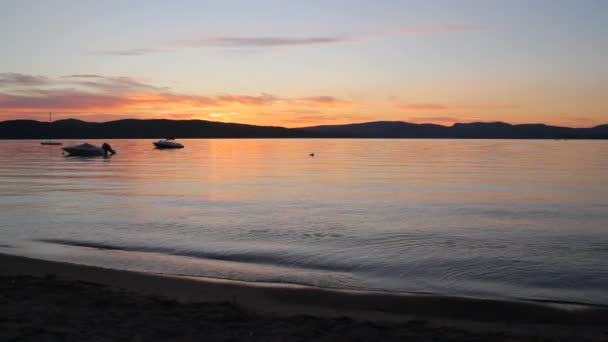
510,219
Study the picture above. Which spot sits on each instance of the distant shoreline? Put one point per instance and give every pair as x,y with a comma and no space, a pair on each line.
202,129
294,138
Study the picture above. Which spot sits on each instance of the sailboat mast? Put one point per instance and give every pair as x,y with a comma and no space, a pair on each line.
48,141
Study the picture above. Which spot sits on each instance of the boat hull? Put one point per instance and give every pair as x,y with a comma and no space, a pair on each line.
167,145
84,150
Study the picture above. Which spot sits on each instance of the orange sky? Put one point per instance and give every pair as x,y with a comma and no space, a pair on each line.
299,63
100,98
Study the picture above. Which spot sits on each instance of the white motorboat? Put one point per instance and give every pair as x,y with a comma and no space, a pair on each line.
88,150
167,143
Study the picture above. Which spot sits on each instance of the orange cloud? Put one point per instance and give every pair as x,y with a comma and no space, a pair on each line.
326,101
67,100
96,96
441,107
70,100
262,100
440,120
313,120
219,115
423,106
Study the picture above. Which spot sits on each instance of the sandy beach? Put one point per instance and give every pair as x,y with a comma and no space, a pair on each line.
45,300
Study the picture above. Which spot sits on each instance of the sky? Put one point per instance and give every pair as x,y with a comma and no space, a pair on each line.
302,63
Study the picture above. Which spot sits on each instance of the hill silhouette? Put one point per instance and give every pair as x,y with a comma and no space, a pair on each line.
160,128
474,130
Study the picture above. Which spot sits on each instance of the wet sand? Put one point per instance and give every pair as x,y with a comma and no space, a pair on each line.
44,300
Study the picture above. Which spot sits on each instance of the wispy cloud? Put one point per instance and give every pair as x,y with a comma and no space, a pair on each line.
247,43
326,101
82,76
88,94
59,99
438,29
490,106
261,100
316,119
251,41
442,120
131,51
232,42
466,111
86,100
15,79
581,119
220,115
422,107
111,84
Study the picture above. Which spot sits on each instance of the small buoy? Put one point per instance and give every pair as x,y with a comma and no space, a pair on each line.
312,154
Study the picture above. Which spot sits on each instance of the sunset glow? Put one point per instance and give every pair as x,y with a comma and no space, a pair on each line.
442,63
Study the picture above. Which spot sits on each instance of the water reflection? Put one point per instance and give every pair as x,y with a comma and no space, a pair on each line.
499,217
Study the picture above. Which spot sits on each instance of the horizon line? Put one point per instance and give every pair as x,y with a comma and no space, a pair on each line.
352,123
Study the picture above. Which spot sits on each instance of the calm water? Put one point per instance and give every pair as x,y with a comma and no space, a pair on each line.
516,219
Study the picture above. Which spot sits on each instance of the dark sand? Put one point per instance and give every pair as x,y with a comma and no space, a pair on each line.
50,301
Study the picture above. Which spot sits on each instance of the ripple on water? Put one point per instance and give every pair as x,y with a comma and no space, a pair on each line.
492,217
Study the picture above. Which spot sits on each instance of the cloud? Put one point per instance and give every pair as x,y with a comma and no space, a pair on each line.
91,94
438,29
178,116
246,43
442,120
442,107
262,100
86,101
423,107
16,79
219,115
581,119
232,42
131,52
39,85
320,119
60,99
112,84
490,106
82,76
235,41
326,101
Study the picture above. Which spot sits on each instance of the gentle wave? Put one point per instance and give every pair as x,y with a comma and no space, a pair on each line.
286,259
518,219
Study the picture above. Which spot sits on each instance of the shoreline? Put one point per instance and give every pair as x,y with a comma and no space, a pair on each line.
480,315
317,138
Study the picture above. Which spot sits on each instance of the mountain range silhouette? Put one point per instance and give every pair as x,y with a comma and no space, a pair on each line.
160,128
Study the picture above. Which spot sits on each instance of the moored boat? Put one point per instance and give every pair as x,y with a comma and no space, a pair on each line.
88,150
167,143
